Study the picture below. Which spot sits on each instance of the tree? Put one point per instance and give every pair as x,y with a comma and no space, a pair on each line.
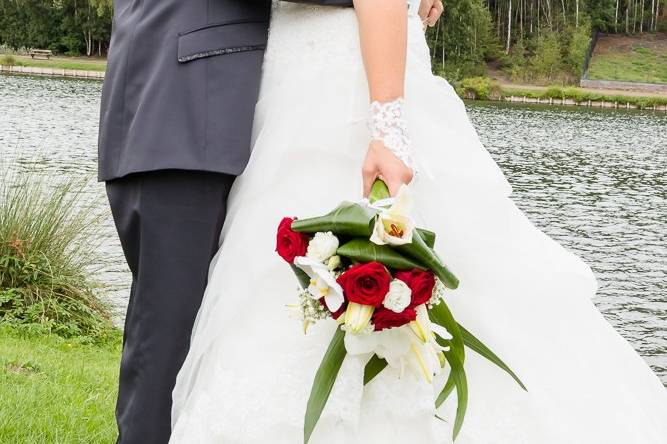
547,58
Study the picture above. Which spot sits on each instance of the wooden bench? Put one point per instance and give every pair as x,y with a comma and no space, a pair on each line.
40,53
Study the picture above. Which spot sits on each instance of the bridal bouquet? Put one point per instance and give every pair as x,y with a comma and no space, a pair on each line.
367,266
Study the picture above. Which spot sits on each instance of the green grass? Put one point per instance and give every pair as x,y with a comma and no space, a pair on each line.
484,88
63,63
639,65
581,95
56,390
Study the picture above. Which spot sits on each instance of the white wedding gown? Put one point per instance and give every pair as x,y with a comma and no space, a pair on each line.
250,369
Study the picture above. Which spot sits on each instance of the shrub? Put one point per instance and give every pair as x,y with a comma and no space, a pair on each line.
516,62
69,44
8,60
579,41
482,88
575,94
456,71
48,253
547,59
554,92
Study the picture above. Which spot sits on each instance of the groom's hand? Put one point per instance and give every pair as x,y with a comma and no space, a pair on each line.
381,162
430,11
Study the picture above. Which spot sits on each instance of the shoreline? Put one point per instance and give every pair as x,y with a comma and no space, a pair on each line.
605,104
507,96
52,72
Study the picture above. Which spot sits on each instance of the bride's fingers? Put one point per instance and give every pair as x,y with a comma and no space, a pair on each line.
435,13
394,184
369,175
424,9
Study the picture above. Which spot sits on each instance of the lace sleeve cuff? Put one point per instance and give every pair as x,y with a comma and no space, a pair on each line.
387,123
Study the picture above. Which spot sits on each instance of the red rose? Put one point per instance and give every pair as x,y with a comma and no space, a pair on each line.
366,284
420,282
334,314
290,244
384,318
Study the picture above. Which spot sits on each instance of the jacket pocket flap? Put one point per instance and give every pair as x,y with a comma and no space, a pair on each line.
221,39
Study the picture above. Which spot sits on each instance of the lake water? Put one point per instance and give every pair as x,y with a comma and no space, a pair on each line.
595,180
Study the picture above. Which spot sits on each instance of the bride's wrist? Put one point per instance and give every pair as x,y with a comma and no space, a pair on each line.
387,124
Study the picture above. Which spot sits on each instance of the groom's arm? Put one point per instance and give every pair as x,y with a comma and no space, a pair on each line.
429,10
324,2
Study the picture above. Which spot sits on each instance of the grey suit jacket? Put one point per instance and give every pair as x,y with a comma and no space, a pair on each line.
181,84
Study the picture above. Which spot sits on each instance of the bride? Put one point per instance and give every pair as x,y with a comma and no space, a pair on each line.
250,368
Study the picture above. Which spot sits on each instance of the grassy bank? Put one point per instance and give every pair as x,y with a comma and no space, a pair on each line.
56,390
80,63
580,95
484,88
630,58
59,352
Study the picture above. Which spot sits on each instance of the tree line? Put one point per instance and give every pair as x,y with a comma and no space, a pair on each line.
532,39
529,38
71,27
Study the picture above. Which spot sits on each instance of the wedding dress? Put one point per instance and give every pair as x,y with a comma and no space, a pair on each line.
250,369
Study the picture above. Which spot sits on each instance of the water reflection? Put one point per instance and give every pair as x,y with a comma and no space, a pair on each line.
593,179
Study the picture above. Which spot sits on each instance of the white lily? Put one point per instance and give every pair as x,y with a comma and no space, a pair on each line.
400,349
394,226
425,359
322,282
421,363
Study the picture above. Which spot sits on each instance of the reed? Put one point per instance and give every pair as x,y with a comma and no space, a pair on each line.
49,255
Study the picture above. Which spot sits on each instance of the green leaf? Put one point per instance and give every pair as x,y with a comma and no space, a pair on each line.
348,219
461,383
478,346
324,380
441,315
457,379
420,251
379,191
428,236
373,368
302,277
446,390
363,250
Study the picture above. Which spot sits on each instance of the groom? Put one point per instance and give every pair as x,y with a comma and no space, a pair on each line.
176,117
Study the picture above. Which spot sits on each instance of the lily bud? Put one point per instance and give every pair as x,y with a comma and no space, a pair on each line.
358,316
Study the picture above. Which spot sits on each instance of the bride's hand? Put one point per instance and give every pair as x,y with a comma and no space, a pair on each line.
383,163
430,11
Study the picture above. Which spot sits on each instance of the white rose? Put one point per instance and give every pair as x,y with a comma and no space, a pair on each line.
322,246
399,296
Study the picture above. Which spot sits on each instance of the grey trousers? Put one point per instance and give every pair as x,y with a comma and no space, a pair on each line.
169,223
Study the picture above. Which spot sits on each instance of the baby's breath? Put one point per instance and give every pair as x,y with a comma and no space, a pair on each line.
438,293
311,309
